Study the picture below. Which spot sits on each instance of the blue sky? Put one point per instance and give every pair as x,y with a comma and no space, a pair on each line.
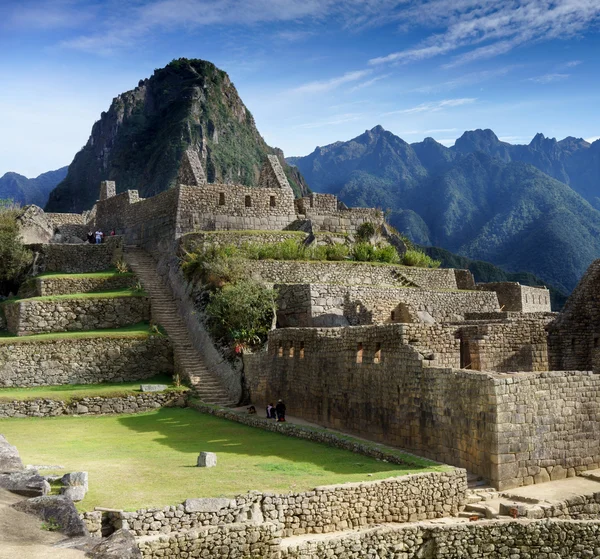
311,71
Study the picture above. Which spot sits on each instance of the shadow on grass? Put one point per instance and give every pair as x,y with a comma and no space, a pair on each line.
187,431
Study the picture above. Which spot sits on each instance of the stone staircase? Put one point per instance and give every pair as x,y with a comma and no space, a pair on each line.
188,360
402,280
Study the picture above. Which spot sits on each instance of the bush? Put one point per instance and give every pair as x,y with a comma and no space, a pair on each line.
419,259
387,254
242,313
365,232
363,252
14,257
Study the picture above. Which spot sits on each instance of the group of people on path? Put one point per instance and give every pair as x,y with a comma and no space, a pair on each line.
97,237
276,412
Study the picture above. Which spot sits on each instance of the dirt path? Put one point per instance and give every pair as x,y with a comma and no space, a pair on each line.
22,538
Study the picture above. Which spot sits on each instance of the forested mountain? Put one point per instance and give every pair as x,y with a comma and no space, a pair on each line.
25,191
483,198
140,140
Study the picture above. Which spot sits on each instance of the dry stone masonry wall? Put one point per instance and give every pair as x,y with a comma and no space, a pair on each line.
96,405
84,360
520,298
41,287
33,316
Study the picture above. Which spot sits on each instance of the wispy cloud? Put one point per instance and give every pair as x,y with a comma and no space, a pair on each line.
369,83
339,119
549,78
46,14
471,78
433,106
332,83
488,28
592,139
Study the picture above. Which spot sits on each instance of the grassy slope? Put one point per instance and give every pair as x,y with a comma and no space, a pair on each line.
92,295
148,460
92,275
66,393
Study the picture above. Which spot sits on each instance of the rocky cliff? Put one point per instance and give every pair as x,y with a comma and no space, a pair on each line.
140,140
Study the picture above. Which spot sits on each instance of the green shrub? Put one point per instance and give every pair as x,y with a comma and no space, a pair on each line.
14,257
419,259
363,252
365,232
241,314
386,254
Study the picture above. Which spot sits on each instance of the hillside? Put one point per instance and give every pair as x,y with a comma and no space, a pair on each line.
475,200
140,140
26,191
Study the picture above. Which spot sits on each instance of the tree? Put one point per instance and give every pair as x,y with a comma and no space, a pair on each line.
14,257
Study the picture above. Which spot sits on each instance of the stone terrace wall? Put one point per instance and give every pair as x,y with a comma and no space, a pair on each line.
97,405
68,285
343,221
59,219
192,241
548,425
325,509
517,539
32,316
77,258
364,381
84,360
520,298
339,305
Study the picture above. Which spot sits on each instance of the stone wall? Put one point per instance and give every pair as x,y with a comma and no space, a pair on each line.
84,360
365,381
520,298
41,287
342,305
322,510
96,405
517,539
575,334
59,219
513,429
547,426
32,316
193,241
77,258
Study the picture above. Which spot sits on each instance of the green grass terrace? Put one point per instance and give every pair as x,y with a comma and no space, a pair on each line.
140,330
149,460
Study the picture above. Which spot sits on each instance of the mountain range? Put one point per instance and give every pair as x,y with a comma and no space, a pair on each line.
26,191
140,140
527,208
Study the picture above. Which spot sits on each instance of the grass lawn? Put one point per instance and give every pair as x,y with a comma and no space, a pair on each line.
149,460
69,391
140,330
91,275
128,292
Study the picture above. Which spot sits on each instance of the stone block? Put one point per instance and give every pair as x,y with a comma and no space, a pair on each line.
207,460
208,504
74,492
153,387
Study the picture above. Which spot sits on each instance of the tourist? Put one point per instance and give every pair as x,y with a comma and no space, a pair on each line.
280,409
252,410
98,236
113,233
90,237
271,414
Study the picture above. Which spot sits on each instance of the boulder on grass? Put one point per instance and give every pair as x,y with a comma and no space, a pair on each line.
74,492
58,510
27,483
10,461
75,479
120,545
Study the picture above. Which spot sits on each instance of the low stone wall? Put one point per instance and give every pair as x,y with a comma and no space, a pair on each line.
31,316
325,509
77,258
520,298
517,539
192,241
69,285
239,541
319,304
84,360
96,405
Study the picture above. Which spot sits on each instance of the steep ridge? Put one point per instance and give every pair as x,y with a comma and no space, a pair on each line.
26,191
474,200
140,140
164,312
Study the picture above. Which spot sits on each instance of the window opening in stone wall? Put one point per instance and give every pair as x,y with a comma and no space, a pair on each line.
572,343
526,299
301,351
393,316
272,201
280,350
359,353
312,202
221,198
248,201
291,350
596,340
377,356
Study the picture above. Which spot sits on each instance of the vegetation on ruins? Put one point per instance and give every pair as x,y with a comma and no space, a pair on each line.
14,257
413,257
149,457
241,314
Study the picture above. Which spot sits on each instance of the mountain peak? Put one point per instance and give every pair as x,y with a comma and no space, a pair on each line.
377,129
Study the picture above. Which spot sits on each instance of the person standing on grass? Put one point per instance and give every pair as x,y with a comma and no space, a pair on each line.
280,409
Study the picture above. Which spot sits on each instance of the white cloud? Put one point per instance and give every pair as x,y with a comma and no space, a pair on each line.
332,83
592,139
433,107
489,28
369,83
549,78
471,78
